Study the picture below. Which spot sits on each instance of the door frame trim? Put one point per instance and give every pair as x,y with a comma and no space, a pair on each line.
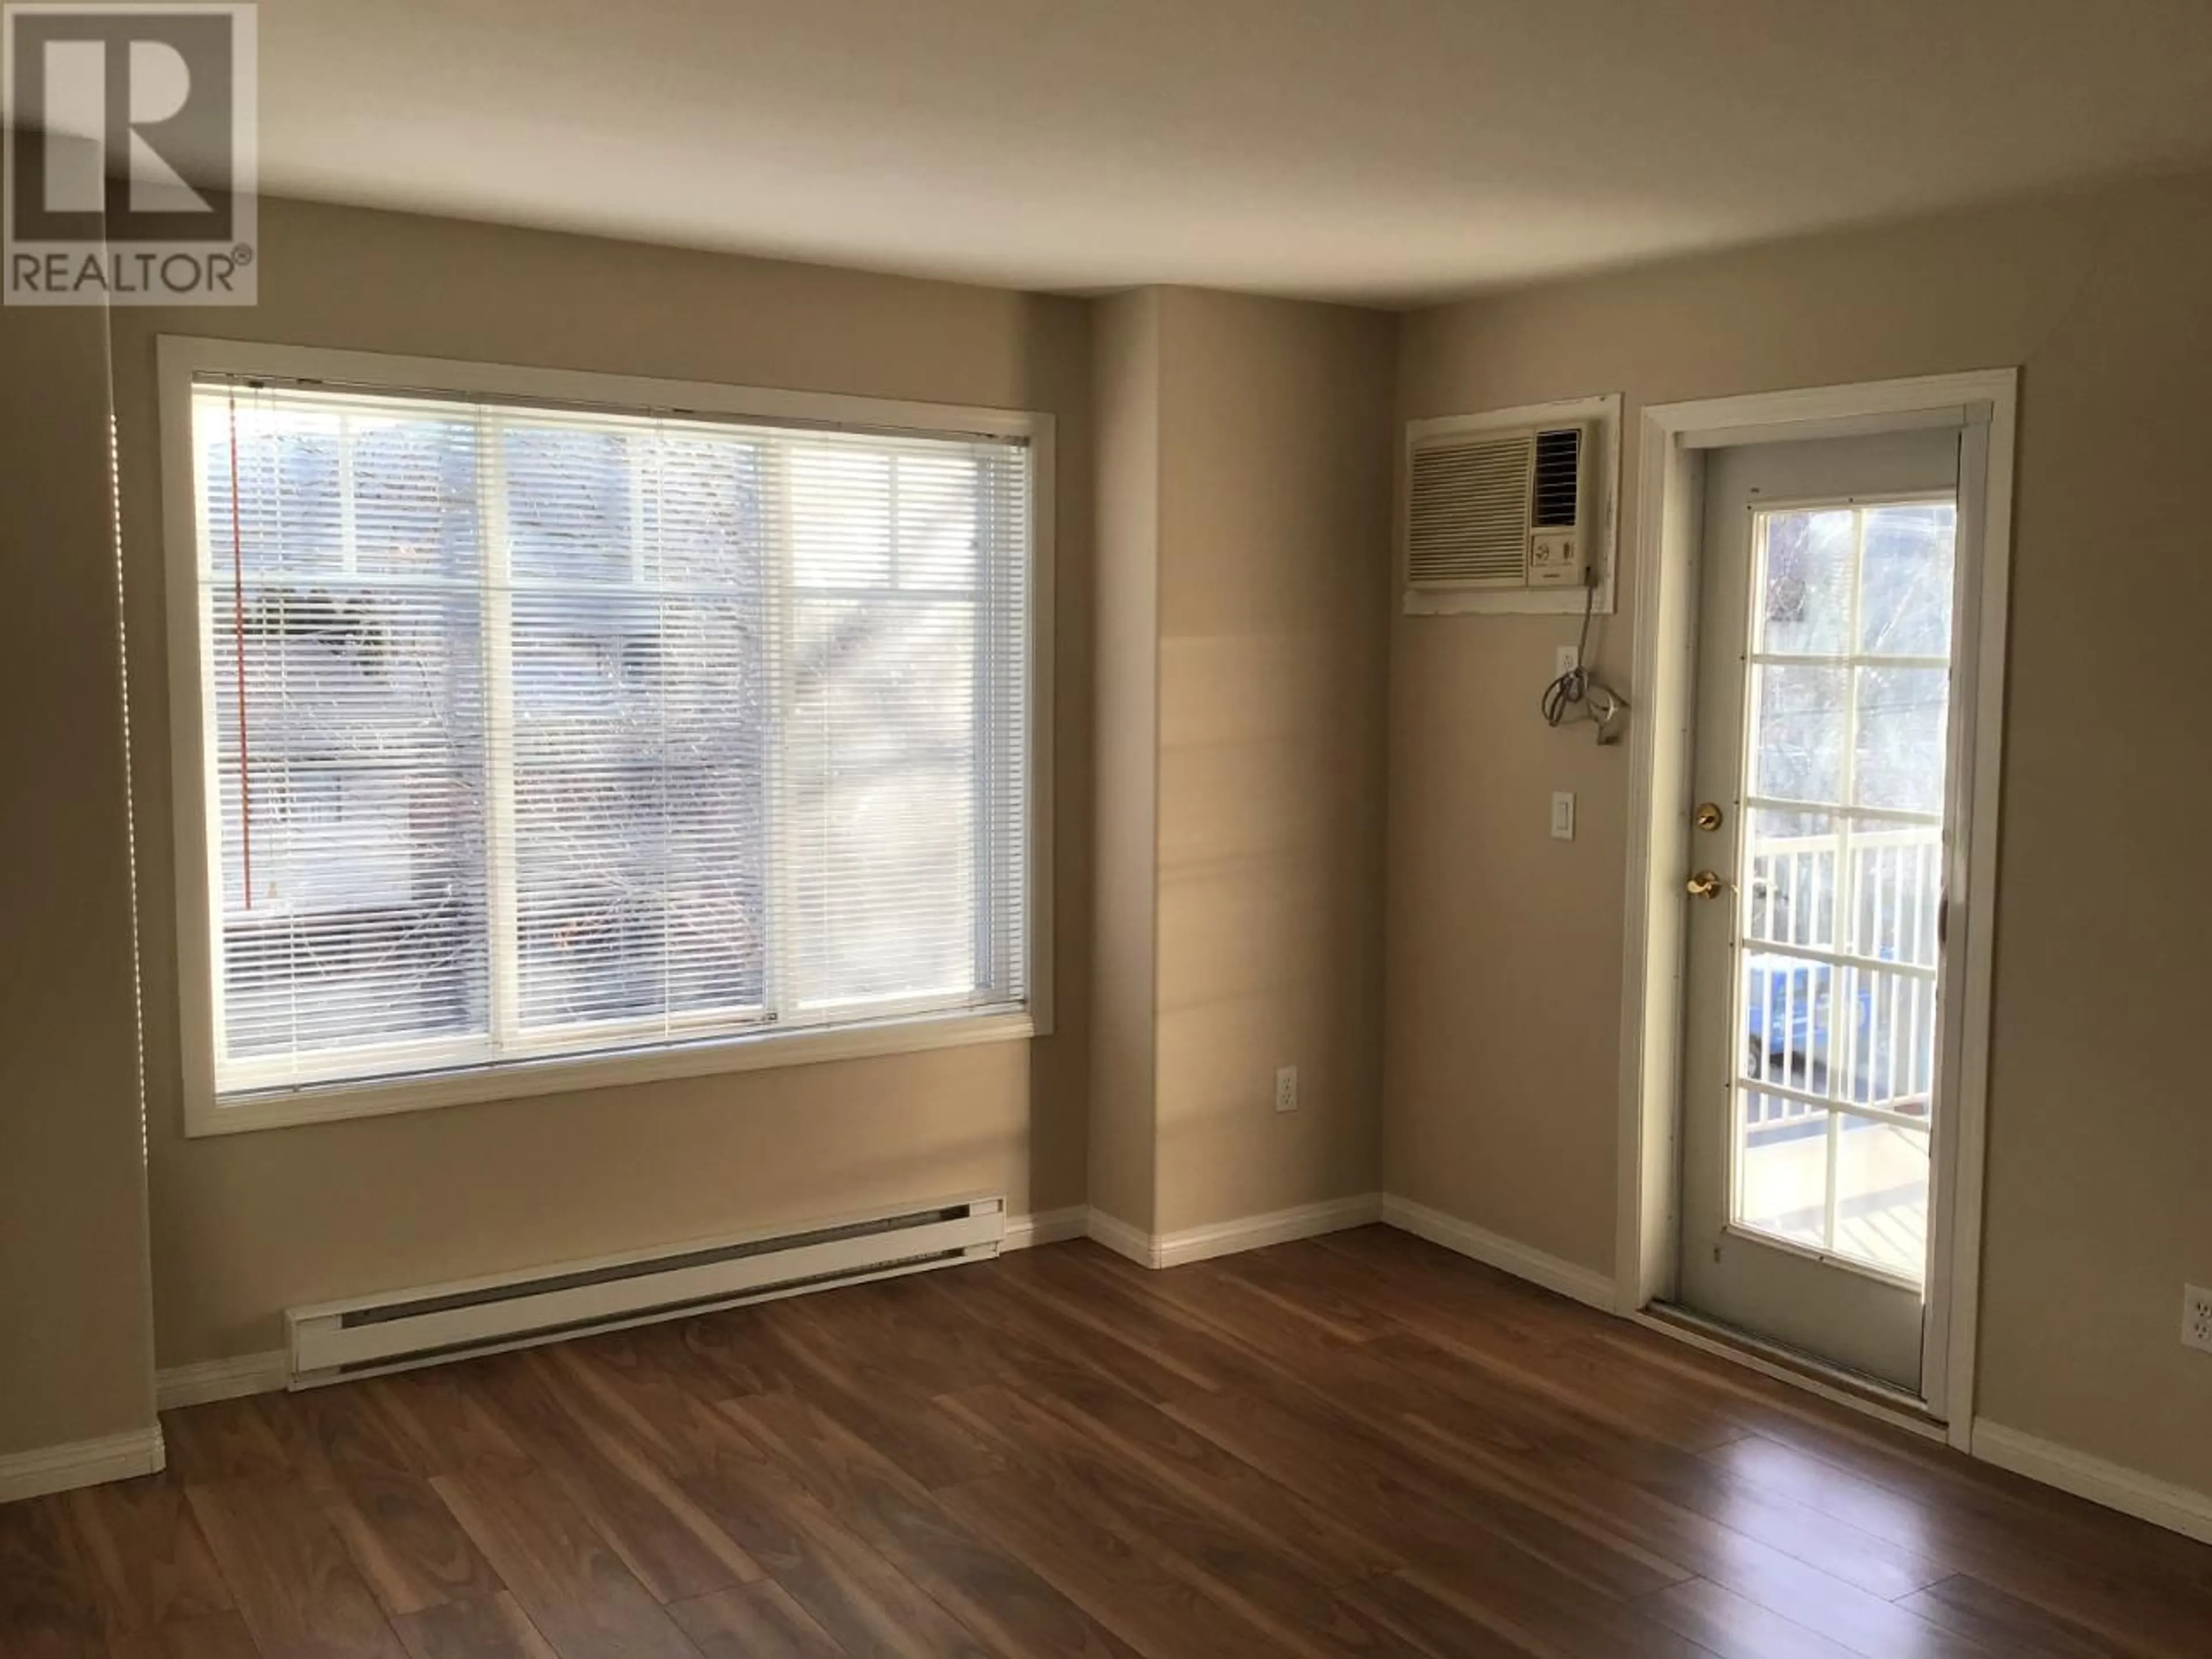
1670,511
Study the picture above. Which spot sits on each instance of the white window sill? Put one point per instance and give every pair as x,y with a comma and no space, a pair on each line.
758,1051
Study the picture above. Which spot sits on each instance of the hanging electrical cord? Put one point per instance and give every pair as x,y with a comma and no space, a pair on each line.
1578,694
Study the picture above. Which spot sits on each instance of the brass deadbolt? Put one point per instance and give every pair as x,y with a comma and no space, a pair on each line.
1708,817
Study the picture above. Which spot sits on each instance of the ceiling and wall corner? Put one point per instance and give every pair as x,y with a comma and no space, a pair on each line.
1392,152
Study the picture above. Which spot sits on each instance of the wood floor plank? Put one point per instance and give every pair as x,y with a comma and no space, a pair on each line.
1545,1613
672,1546
1706,1536
2145,1606
487,1627
566,1578
1302,1278
409,1549
2006,1624
203,1636
1050,1332
1432,1626
1725,1623
145,1554
222,1440
1354,1447
1127,1589
49,1606
758,1621
660,1398
1394,1493
295,1586
1848,1617
868,1605
442,1419
879,1401
1244,1570
1203,1473
1123,1304
732,1353
989,1591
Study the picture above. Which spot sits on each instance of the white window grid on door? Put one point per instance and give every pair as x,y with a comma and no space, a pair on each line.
1919,841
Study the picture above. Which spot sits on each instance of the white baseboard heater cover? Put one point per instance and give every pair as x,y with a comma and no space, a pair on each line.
340,1339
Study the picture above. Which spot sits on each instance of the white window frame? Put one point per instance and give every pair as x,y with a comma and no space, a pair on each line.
183,360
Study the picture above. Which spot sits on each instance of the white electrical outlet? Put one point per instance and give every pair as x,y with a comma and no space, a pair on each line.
1568,659
2197,1317
1286,1088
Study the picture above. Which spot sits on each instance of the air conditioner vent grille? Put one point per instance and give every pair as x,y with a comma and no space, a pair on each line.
1467,510
1559,478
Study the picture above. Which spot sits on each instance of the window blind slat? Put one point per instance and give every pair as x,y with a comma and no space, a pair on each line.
539,731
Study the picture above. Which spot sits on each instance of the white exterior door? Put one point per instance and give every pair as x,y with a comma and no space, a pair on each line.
1816,973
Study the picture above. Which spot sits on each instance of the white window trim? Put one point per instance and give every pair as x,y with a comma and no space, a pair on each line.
183,359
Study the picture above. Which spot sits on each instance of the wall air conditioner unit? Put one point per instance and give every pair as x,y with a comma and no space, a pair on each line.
1510,512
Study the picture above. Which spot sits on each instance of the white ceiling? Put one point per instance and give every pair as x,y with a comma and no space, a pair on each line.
1382,150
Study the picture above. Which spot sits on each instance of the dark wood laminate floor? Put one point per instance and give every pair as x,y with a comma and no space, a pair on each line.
1357,1446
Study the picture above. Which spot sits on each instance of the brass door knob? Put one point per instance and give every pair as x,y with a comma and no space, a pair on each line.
1705,884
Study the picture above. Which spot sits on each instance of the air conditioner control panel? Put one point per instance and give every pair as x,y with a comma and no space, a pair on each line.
1555,558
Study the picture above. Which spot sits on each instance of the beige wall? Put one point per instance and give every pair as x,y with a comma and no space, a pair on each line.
1274,490
1504,958
1243,514
1125,1025
76,1339
244,1226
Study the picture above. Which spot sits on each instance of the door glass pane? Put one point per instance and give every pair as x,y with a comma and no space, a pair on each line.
1898,758
1881,1196
1904,583
1790,1030
1887,1055
1791,897
1781,1171
1896,889
1804,587
1797,722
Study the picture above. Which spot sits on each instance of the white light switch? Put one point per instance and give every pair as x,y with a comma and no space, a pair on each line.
1563,815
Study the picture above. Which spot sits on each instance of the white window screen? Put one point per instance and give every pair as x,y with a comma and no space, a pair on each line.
539,732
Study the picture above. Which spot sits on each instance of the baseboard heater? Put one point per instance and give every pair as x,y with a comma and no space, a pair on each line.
340,1340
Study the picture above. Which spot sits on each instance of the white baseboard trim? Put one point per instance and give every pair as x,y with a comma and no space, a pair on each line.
1251,1232
1119,1237
1045,1227
221,1379
80,1463
2178,1508
1585,1285
1255,1232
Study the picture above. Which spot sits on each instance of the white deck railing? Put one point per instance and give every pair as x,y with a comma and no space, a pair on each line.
1836,1025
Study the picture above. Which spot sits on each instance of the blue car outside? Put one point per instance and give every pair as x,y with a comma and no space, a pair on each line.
1789,1017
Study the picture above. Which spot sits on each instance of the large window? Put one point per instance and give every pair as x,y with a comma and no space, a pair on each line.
533,732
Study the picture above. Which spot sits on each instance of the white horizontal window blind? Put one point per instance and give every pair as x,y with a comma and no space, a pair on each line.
536,730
